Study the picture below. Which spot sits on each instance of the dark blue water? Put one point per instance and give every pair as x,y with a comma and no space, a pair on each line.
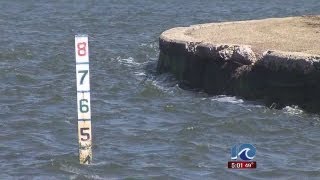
144,125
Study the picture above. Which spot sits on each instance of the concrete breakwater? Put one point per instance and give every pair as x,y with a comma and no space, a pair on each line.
274,60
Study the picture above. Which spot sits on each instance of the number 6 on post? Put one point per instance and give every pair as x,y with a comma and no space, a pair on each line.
83,99
83,104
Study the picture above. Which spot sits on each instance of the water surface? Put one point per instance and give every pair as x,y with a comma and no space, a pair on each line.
144,125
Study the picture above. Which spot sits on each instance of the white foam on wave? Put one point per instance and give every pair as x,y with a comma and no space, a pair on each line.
228,99
140,73
153,45
158,85
130,62
77,172
87,176
293,110
166,83
141,76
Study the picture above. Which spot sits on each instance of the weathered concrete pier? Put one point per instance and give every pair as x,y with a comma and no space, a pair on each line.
274,60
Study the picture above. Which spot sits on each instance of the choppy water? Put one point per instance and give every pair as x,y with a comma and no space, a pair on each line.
144,125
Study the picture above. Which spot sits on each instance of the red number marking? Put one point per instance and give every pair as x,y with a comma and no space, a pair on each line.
82,48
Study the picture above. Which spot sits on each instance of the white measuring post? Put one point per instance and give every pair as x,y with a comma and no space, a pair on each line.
83,99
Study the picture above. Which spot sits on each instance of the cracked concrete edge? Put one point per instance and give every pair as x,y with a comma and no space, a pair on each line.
241,53
292,61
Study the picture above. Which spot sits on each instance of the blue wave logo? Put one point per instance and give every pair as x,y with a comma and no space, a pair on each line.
245,152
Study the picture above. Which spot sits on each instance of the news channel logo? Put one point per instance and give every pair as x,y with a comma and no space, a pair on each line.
242,156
